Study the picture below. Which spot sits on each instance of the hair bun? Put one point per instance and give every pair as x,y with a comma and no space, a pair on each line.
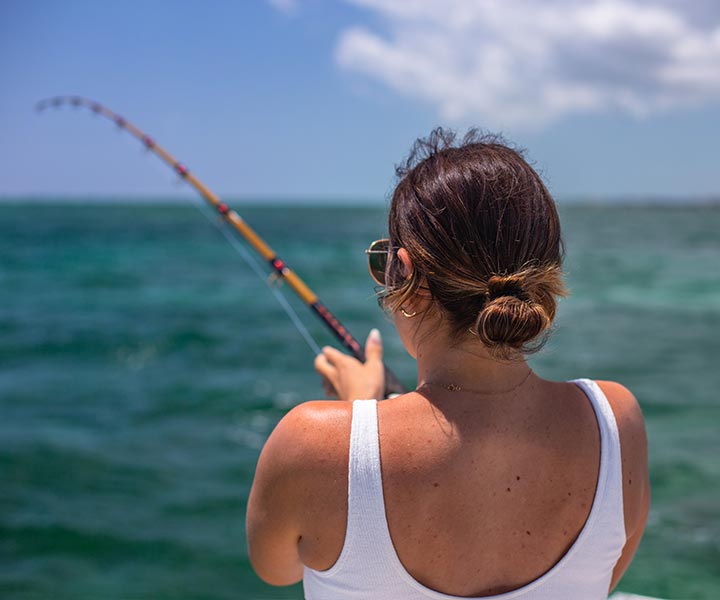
506,285
514,312
507,323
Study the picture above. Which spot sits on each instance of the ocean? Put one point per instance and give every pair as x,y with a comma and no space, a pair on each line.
143,364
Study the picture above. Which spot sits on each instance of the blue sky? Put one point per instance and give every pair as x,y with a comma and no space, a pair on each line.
320,98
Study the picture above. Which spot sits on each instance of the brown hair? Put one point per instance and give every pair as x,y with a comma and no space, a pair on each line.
484,237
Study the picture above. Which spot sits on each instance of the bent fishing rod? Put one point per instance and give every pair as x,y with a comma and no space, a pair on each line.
280,269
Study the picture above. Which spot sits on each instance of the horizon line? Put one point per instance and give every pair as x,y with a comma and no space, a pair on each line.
326,200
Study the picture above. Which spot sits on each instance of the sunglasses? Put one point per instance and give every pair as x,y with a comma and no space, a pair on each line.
377,255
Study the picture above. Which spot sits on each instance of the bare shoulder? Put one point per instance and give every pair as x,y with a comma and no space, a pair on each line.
634,450
624,404
313,433
306,450
630,421
629,418
305,453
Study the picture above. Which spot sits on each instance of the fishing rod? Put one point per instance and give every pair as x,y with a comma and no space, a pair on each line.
280,268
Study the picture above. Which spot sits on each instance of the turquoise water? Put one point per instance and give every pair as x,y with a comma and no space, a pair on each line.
142,365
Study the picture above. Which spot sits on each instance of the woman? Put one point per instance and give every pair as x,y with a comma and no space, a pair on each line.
486,480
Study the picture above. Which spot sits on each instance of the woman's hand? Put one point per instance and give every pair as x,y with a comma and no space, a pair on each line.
350,379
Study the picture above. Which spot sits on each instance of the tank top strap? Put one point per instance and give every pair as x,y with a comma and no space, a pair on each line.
608,525
609,434
366,534
366,506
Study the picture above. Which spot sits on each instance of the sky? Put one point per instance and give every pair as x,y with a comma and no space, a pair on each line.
319,99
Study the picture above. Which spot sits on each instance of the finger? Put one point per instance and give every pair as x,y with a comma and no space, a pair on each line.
373,346
325,369
333,355
329,375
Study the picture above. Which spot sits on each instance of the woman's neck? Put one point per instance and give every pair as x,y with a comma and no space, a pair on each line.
467,367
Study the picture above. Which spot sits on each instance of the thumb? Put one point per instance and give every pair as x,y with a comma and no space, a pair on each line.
373,346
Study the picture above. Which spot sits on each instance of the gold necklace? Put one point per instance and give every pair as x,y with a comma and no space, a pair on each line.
453,387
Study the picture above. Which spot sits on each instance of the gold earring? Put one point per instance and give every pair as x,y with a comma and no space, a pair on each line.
407,314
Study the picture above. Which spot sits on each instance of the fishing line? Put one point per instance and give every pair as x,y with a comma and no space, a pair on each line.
252,262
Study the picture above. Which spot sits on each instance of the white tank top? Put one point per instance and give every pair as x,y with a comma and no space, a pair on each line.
368,567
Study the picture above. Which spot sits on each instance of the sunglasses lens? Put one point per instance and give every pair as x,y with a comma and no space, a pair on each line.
377,260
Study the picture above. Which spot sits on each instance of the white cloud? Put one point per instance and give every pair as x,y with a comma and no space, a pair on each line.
528,62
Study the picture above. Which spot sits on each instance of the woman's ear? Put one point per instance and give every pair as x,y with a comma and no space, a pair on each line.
407,271
407,266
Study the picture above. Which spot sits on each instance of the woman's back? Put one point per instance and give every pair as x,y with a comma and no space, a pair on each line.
480,497
510,478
